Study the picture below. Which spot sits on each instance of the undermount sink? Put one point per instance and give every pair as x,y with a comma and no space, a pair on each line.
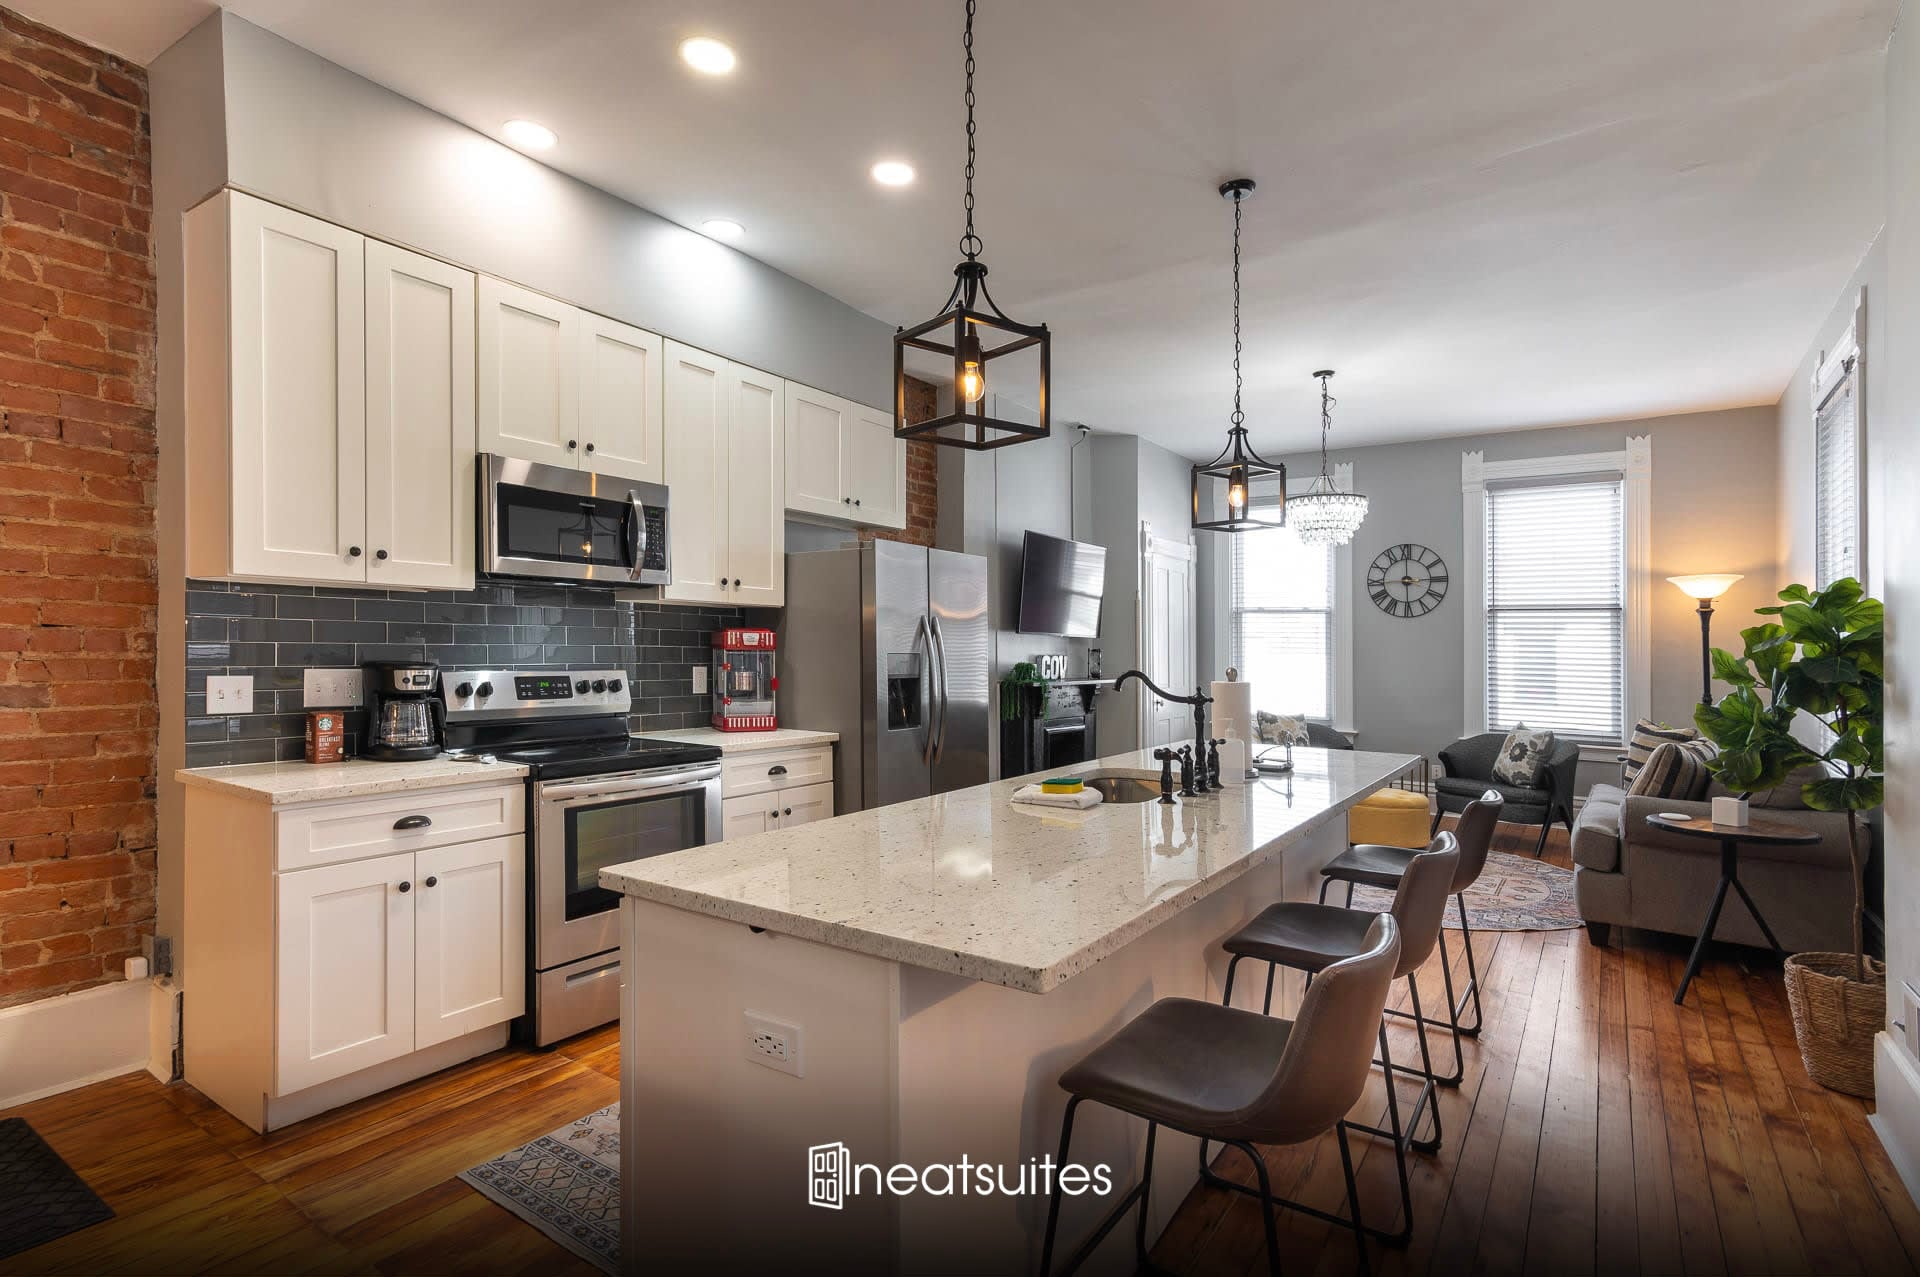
1124,786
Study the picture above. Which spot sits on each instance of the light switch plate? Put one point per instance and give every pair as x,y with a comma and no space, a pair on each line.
229,693
699,679
330,689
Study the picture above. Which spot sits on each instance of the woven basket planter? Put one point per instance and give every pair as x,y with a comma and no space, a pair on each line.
1835,1018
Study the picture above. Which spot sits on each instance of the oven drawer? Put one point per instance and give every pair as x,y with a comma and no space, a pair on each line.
329,833
759,772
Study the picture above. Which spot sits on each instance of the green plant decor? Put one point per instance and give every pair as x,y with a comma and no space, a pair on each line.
1823,659
1024,675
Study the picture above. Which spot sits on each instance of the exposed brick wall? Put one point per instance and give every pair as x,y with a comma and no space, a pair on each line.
923,489
77,464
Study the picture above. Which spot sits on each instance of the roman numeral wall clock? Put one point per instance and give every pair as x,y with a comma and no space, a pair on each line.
1407,580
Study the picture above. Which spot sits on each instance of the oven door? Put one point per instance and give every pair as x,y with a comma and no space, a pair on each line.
586,825
555,524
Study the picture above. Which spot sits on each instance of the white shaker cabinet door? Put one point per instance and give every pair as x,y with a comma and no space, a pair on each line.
470,942
741,817
420,429
818,430
345,970
696,443
877,469
620,404
298,397
529,375
756,485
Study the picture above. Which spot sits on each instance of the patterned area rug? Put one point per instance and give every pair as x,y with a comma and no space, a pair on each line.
1514,893
44,1198
566,1184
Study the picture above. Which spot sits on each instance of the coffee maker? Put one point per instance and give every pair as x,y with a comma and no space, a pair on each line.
406,721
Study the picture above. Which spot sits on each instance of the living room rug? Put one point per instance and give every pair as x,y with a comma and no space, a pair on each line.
566,1184
1513,893
44,1197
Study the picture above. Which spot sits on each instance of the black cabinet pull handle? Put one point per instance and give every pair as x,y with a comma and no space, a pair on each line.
405,887
413,822
778,769
432,881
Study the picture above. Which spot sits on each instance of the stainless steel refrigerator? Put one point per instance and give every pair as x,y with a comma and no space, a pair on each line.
888,644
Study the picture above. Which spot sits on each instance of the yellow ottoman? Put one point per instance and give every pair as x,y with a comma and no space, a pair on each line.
1390,818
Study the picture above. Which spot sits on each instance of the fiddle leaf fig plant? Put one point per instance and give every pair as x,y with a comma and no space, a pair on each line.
1821,661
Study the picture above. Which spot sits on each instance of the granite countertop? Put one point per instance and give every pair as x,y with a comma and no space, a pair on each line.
971,884
746,742
283,784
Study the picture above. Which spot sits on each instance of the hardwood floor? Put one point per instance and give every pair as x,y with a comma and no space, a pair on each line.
1599,1128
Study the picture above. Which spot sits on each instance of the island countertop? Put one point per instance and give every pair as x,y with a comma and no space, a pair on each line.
975,885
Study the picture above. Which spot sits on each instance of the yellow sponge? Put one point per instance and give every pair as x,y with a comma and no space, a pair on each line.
1062,785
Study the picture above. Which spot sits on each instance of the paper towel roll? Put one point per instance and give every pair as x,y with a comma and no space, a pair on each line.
1233,708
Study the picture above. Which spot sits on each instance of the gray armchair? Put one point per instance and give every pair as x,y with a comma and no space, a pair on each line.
1468,765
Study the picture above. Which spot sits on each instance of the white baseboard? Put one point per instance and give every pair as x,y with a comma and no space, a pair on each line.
1896,1117
56,1044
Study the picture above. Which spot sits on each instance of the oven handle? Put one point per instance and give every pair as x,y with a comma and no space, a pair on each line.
607,787
636,534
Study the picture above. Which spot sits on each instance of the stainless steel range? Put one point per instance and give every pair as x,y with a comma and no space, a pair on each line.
596,796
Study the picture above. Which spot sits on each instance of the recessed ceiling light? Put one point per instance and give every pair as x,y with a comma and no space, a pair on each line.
528,136
893,173
723,228
707,55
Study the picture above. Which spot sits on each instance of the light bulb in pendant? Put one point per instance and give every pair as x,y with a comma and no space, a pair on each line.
970,382
1237,487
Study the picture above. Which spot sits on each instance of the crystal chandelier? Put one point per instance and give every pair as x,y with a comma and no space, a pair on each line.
1323,514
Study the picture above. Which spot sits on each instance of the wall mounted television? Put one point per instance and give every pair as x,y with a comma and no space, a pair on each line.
1061,585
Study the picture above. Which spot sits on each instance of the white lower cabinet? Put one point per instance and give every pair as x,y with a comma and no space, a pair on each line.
469,938
761,813
763,790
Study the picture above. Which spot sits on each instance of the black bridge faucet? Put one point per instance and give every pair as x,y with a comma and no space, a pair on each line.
1199,700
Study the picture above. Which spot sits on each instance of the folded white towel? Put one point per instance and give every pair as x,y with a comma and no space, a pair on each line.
1040,798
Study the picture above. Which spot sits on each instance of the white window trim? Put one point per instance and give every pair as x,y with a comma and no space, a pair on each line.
1634,465
1342,640
1827,372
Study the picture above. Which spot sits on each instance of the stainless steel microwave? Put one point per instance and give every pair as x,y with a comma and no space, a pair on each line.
549,523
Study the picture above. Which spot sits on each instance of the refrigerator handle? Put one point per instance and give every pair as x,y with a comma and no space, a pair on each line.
940,647
926,750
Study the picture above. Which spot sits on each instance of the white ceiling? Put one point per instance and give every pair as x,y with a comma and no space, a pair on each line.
1484,214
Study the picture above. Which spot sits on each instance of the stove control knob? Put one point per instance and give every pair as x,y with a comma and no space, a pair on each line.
486,689
463,691
599,684
614,685
582,686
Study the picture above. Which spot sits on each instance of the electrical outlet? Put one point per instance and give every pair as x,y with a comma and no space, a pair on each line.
229,693
699,680
330,689
774,1043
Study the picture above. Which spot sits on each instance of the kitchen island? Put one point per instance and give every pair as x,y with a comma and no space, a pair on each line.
904,986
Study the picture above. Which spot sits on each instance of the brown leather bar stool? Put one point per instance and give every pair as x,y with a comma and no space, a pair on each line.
1221,1073
1382,866
1312,937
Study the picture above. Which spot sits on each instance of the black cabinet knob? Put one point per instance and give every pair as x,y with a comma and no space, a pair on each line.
353,551
432,881
856,500
582,686
405,887
572,444
380,554
614,685
787,811
599,684
486,689
774,814
846,500
463,691
589,447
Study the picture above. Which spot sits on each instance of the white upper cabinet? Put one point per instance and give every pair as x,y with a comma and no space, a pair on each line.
756,484
420,430
725,445
818,433
529,391
877,469
620,405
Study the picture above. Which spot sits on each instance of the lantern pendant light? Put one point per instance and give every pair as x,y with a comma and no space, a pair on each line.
1323,514
972,333
1238,491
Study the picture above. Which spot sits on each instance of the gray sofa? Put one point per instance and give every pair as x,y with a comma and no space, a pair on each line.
1628,873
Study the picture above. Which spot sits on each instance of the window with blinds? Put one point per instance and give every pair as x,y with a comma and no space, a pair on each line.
1282,605
1836,478
1556,614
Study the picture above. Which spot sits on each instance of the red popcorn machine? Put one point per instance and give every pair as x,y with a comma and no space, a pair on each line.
743,680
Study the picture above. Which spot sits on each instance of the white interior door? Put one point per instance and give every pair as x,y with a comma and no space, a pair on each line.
877,469
420,431
470,940
620,403
298,484
696,446
344,970
817,435
1167,624
756,476
529,375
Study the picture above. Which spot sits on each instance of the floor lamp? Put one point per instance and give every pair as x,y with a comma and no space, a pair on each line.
1706,588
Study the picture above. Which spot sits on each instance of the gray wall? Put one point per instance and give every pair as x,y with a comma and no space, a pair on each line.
1714,501
1133,482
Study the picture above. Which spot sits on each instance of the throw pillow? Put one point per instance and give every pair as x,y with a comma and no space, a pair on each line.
1672,771
1647,737
1279,729
1523,758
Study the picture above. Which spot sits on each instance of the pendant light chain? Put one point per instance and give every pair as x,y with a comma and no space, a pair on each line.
970,243
1239,417
1326,419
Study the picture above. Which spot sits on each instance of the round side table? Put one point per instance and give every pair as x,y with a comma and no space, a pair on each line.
1758,833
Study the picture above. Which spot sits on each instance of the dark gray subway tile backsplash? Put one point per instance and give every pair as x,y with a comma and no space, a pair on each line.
277,632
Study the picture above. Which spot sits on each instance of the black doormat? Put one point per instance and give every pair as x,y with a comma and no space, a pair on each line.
43,1198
